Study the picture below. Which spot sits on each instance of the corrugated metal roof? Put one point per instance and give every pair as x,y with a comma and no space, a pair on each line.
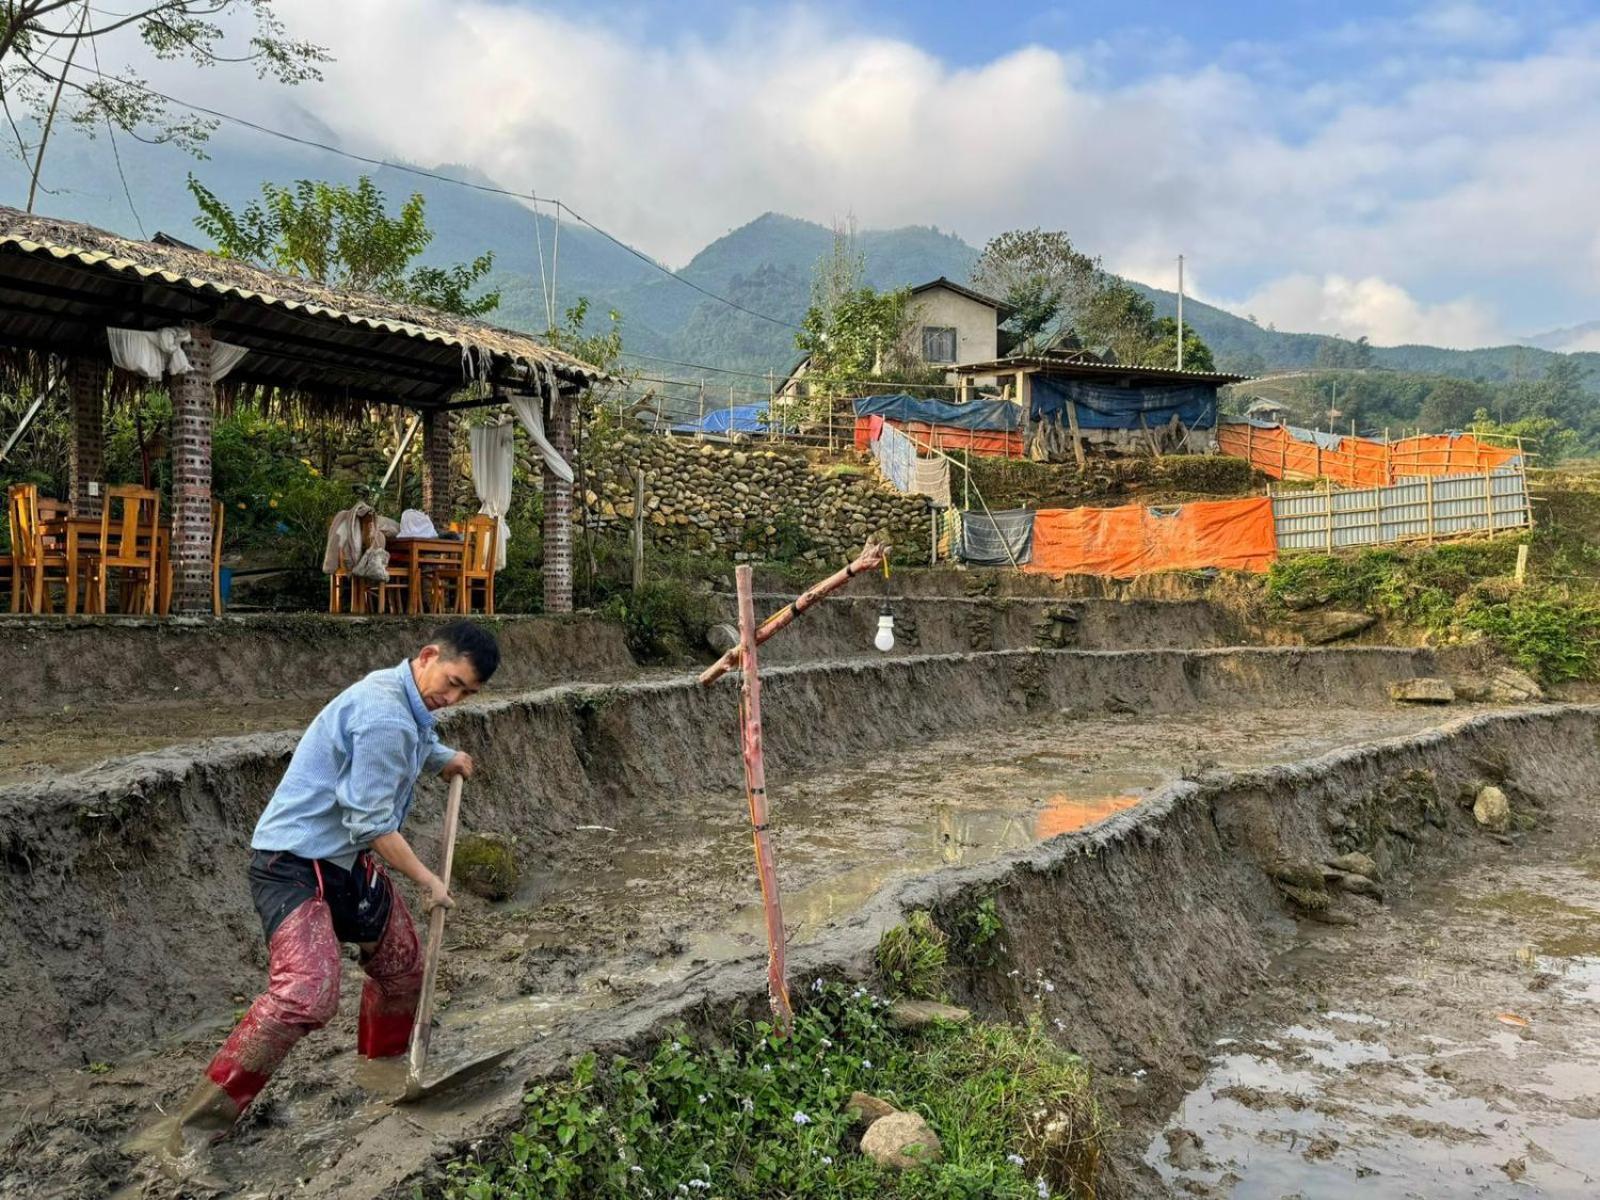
1058,366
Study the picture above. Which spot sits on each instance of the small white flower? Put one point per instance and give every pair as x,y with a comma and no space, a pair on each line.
825,1043
635,1170
801,1119
700,1185
767,1068
866,1064
1014,1159
826,1072
1048,986
677,1046
1043,1188
816,984
827,1160
747,1104
703,1097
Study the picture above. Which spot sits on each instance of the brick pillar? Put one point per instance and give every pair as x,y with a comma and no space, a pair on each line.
558,512
436,427
86,387
193,409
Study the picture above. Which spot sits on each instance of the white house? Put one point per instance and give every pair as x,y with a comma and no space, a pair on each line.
950,325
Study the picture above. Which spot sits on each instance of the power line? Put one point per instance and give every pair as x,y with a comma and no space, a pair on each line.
257,127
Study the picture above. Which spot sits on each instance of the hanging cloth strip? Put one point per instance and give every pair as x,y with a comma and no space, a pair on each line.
155,353
491,478
528,412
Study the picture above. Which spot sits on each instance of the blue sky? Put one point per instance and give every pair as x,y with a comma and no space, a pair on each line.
1422,171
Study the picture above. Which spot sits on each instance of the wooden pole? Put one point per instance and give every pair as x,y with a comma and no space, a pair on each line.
638,529
870,559
755,781
1522,564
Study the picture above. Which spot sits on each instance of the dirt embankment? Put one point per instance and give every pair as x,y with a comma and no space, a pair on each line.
55,663
946,625
125,912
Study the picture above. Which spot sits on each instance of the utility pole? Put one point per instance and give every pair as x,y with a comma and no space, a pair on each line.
1180,312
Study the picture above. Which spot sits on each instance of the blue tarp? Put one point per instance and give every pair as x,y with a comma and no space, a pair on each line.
1327,441
977,414
1105,407
744,418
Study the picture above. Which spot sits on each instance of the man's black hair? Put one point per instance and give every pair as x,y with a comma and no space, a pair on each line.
463,639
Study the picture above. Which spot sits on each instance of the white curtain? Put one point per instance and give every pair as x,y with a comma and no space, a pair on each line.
532,418
154,353
491,478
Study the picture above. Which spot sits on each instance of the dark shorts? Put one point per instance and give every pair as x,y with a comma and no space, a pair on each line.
359,899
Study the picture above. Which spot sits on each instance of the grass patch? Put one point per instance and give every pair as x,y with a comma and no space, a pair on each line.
912,958
763,1117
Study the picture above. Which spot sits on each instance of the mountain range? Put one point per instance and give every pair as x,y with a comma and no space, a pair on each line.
764,266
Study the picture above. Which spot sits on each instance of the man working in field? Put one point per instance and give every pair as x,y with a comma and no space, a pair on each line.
318,870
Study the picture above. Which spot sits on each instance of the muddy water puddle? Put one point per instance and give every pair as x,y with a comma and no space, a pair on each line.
675,887
1448,1047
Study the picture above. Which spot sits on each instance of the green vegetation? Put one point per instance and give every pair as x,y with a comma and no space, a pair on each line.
664,621
342,236
978,931
485,865
761,1116
912,958
1551,629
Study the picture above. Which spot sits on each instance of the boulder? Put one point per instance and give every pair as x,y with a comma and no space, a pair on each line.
864,1108
1329,625
901,1140
1356,863
1425,689
722,638
485,865
916,1014
1492,810
1502,685
1297,873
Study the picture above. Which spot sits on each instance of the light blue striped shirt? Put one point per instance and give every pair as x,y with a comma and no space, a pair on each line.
355,771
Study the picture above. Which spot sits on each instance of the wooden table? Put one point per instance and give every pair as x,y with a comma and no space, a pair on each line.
82,536
415,555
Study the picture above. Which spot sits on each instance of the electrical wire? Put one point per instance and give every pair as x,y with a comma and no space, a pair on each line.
217,114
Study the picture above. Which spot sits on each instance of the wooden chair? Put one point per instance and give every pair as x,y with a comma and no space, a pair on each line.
342,581
33,556
481,538
130,534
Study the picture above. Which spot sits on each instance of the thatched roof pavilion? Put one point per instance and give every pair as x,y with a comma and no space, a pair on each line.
308,346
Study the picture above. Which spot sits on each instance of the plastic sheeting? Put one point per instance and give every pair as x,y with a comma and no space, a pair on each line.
743,418
997,539
997,442
976,414
1101,406
1285,452
1132,540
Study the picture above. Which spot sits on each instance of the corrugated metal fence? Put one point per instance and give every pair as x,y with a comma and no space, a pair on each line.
1416,509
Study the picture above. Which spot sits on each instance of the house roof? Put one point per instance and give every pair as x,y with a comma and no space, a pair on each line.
1000,306
1083,367
62,283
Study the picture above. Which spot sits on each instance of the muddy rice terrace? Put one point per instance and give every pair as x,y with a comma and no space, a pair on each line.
1309,937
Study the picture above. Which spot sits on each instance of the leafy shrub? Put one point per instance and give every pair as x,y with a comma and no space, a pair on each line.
912,957
1547,631
663,621
765,1116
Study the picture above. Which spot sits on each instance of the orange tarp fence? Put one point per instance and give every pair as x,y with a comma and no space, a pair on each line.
1132,540
998,442
1358,461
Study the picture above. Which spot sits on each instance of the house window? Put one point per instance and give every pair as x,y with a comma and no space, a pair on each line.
938,344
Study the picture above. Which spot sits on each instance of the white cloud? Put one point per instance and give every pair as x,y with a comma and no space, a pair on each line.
1472,175
1373,308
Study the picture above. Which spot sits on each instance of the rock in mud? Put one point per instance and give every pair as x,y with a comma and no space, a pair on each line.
917,1014
1492,810
901,1140
486,866
1425,689
1356,863
1312,900
1184,1151
1297,873
1502,685
1319,628
864,1108
1356,885
722,638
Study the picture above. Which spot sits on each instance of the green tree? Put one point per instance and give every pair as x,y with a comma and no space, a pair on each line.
1163,351
1546,437
1342,352
41,40
1043,276
343,237
852,331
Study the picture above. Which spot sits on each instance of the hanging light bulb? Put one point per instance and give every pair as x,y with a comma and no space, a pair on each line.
884,638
